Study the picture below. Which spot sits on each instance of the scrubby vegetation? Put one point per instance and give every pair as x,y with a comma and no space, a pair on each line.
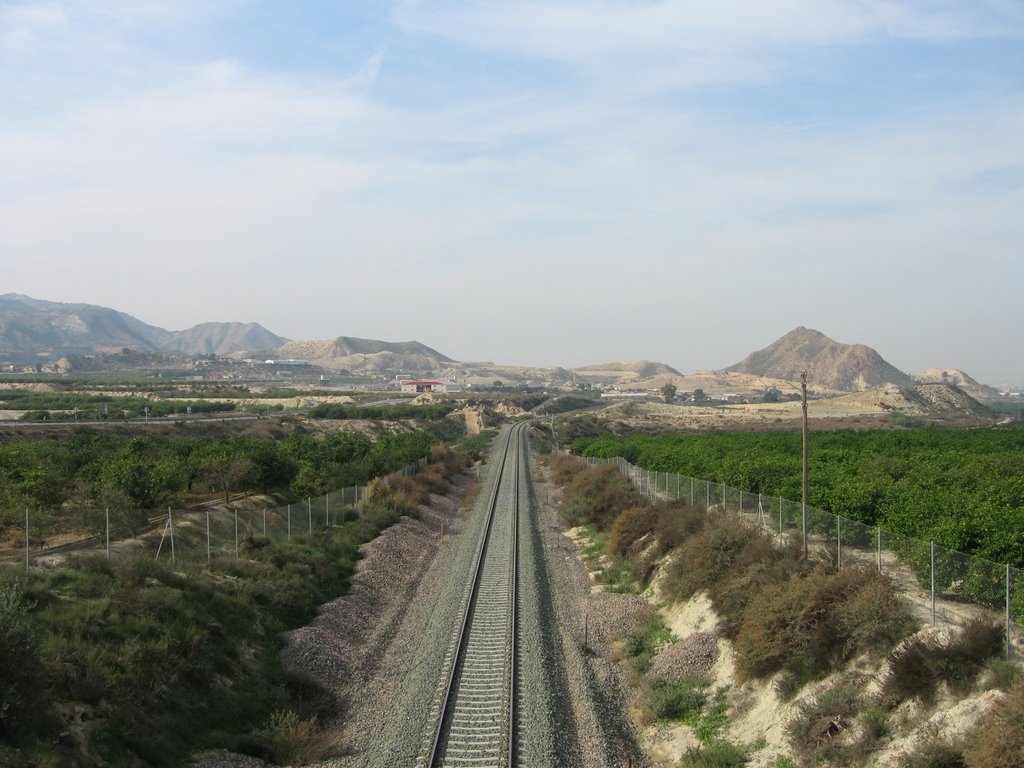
919,666
141,663
789,620
815,621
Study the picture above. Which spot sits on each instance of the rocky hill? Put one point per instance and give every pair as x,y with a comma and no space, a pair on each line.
829,364
624,373
359,355
37,328
34,327
223,339
961,380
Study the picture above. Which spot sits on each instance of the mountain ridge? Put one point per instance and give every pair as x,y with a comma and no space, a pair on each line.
37,327
33,329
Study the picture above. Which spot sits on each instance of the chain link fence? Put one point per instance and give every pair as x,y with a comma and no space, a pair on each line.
944,587
194,535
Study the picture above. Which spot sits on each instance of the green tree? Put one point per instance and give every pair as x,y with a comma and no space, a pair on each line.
668,391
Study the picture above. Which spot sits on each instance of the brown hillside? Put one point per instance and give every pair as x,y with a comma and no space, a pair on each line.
346,352
843,367
958,378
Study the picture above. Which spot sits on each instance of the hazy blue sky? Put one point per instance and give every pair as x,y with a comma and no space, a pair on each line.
530,182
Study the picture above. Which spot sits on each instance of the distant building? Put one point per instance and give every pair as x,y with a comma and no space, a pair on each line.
423,386
431,386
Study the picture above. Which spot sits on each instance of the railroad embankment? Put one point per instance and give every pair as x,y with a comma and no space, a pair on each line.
737,652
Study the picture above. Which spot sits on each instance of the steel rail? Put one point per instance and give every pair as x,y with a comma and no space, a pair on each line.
446,716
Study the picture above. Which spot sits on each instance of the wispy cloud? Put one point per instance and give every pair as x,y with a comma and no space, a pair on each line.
656,157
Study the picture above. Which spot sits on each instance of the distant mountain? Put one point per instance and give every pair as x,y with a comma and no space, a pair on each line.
945,398
829,364
643,369
958,378
354,354
37,328
223,339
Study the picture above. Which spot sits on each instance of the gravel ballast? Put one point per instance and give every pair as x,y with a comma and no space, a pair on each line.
693,656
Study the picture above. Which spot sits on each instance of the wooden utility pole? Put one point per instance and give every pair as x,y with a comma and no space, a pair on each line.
803,391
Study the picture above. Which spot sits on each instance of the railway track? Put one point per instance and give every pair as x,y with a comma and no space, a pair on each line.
476,719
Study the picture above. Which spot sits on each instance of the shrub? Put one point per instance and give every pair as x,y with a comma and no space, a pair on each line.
433,479
675,700
597,495
912,672
965,655
917,667
812,622
731,595
564,468
933,751
788,685
998,741
1001,674
410,486
730,560
716,754
631,525
873,619
291,740
444,456
641,645
21,678
816,732
677,521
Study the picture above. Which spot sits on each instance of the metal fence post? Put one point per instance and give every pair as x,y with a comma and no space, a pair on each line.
780,515
1008,610
879,529
803,506
933,582
289,522
107,534
839,543
170,525
26,539
207,535
309,510
692,483
236,532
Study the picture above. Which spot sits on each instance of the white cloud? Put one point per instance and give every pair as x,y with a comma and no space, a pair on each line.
21,27
700,34
320,202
